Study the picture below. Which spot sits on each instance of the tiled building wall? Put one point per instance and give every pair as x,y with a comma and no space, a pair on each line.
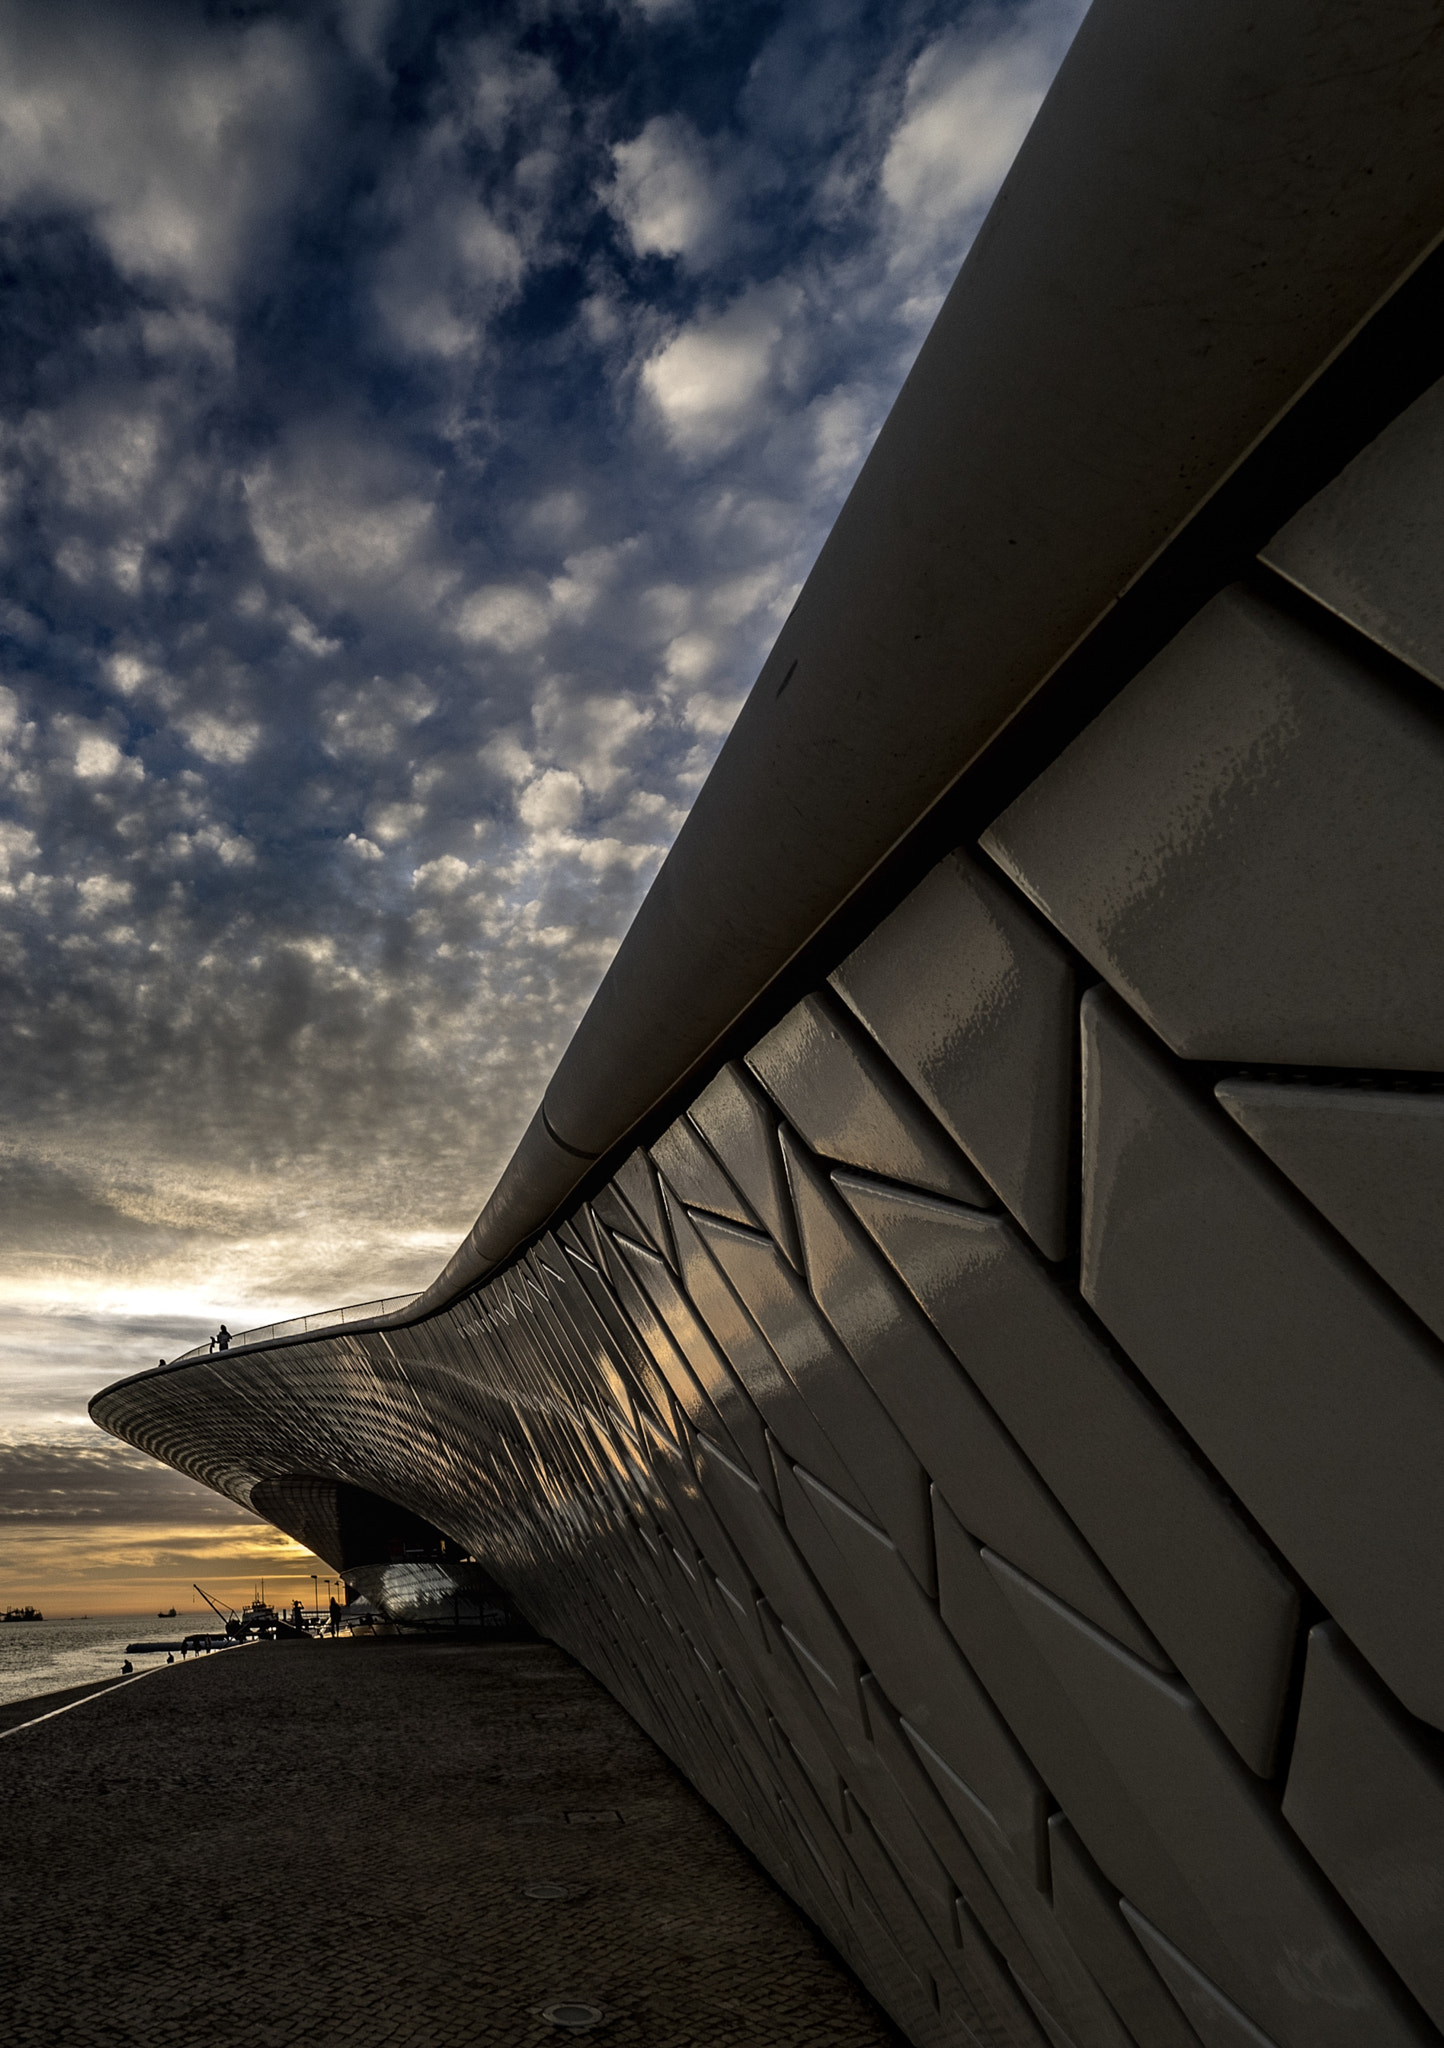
994,1440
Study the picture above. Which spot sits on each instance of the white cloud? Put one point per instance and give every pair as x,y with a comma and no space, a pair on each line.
98,758
691,656
229,848
303,633
609,852
445,875
371,720
188,331
709,382
710,715
553,801
969,104
557,515
342,517
391,823
504,615
499,86
100,894
445,276
18,847
457,258
586,579
103,455
664,191
844,424
177,145
505,755
224,741
588,732
363,25
75,560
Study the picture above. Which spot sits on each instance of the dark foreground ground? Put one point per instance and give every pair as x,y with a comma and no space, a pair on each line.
332,1843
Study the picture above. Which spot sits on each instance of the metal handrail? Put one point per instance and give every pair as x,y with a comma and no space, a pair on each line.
300,1326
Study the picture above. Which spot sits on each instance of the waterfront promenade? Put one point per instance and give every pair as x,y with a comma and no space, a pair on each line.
333,1843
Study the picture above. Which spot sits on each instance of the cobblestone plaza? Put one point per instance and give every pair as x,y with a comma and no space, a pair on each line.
337,1844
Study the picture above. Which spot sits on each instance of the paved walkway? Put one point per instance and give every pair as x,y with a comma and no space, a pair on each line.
332,1843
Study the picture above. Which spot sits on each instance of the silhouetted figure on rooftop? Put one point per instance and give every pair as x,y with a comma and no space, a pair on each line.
222,1339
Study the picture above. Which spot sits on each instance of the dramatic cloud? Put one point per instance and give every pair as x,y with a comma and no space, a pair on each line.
175,141
414,427
62,1484
95,1527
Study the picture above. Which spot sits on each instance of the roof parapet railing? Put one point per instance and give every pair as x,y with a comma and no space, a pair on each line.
300,1326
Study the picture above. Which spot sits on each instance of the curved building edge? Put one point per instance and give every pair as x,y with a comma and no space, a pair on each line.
958,1351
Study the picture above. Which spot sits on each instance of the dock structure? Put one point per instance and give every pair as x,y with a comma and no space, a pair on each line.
959,1351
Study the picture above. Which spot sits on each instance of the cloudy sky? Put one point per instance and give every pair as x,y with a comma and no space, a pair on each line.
415,423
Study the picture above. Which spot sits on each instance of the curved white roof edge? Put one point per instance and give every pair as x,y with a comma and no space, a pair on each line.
1210,205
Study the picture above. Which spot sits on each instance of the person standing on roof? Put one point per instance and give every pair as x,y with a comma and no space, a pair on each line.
222,1339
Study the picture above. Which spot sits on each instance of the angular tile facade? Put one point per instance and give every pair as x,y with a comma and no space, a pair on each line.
993,1438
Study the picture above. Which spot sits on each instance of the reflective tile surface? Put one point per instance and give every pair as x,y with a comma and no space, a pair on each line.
992,1439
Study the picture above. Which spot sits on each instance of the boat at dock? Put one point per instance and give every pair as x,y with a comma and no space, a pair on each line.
260,1618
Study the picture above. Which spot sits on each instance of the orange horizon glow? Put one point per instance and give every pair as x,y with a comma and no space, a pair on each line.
119,1569
280,1589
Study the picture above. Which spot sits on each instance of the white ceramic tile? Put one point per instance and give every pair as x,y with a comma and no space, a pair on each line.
1246,844
971,998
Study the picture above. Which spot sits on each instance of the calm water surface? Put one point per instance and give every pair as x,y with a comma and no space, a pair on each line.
43,1656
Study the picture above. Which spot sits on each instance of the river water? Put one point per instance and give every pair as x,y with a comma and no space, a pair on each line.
44,1656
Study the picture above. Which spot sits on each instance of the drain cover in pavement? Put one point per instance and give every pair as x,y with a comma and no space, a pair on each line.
549,1891
576,2018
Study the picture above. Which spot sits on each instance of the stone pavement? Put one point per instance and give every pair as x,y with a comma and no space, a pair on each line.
328,1844
13,1713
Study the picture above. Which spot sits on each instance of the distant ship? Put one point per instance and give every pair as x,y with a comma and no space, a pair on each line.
166,1614
22,1614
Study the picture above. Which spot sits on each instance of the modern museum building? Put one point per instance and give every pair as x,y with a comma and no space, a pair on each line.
959,1351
